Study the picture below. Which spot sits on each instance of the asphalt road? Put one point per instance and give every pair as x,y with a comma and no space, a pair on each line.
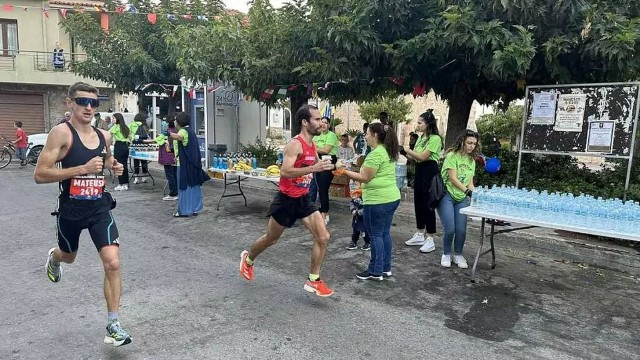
184,299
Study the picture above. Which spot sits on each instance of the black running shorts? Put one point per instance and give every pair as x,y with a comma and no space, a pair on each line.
285,210
102,229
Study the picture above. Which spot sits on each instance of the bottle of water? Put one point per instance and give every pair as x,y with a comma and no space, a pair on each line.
254,162
352,185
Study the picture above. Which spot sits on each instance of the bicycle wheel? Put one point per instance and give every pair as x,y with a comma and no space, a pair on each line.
5,158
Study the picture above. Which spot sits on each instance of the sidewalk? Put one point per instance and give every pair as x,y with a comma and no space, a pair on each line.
555,244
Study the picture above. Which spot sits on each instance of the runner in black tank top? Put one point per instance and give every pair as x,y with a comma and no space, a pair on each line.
83,153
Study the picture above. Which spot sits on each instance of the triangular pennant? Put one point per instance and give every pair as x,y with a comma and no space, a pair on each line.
120,9
63,12
192,93
203,18
268,93
418,89
98,8
171,17
188,16
292,87
175,88
212,88
7,7
80,10
152,18
132,9
397,80
282,93
45,11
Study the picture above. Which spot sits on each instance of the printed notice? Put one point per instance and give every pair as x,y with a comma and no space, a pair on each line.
570,113
600,137
544,109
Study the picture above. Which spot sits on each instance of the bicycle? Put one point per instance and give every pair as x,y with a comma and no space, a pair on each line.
9,149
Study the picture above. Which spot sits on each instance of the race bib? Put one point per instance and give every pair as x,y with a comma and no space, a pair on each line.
303,181
86,187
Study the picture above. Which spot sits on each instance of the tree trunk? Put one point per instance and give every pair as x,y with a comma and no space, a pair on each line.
459,109
298,99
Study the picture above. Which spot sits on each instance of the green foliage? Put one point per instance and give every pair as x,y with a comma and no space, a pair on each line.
335,122
353,133
502,124
396,106
265,154
563,174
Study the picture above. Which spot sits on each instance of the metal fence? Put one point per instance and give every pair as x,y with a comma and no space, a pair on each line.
43,61
7,62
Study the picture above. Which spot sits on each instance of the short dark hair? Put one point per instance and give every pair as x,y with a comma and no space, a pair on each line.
304,113
365,126
18,124
81,86
183,119
345,136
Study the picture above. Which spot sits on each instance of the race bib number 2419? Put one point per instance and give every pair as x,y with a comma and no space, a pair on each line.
86,187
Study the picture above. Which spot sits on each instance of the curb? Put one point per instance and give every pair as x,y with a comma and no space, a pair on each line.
539,240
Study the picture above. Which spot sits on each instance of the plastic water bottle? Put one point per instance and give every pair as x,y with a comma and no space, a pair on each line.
352,185
254,162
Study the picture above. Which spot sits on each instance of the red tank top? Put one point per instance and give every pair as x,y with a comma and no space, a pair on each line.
298,187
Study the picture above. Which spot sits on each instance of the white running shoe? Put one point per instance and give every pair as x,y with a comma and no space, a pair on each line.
460,261
136,181
125,187
416,240
169,198
428,246
445,261
144,179
118,188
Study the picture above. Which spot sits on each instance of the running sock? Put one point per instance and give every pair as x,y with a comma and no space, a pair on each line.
112,316
249,261
314,277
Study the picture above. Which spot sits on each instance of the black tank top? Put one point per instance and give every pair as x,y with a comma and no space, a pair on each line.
77,155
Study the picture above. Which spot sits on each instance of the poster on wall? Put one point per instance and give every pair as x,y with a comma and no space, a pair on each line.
600,137
570,113
544,109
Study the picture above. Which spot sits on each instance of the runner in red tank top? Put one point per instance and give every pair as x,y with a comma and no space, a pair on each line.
292,201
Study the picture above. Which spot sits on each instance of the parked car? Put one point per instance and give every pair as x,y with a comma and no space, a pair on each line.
37,142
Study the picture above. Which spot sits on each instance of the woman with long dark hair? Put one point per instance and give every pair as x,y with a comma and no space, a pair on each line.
380,195
121,137
425,153
458,169
326,145
190,173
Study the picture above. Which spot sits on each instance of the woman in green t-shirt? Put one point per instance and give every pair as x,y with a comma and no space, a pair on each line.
326,144
121,138
426,154
380,195
458,170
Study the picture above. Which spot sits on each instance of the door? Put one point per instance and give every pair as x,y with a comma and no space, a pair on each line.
27,108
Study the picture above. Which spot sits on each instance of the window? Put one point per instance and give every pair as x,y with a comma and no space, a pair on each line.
8,37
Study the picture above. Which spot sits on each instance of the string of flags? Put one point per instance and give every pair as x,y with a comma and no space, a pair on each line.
121,9
173,89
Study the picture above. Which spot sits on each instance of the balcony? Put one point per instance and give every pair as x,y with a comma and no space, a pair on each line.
36,67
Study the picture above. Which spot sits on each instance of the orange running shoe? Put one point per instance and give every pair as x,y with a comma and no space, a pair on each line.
246,270
319,287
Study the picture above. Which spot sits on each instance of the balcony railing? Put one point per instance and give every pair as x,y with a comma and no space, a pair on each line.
42,61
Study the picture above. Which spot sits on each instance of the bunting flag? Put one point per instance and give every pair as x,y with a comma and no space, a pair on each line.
45,11
143,87
292,87
192,93
132,9
268,93
152,18
175,88
120,9
7,7
63,12
282,93
328,111
419,89
212,88
397,80
188,16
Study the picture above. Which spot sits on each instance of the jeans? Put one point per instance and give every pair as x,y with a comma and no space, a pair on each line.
454,223
21,153
171,173
313,189
377,222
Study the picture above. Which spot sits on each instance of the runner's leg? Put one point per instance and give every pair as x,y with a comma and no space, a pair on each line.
315,224
270,237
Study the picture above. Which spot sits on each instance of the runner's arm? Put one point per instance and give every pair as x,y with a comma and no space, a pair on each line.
108,159
46,170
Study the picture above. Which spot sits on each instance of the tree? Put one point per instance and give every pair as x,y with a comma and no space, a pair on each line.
133,51
465,50
395,106
502,124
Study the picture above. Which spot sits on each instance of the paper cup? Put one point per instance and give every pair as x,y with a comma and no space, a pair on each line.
326,157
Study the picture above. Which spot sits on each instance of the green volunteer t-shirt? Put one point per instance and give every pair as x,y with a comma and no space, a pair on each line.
329,138
382,189
465,168
116,132
185,136
433,144
161,139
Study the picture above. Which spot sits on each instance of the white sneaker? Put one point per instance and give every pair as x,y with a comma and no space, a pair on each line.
136,181
416,240
428,246
169,198
144,179
326,220
118,188
445,261
125,187
460,261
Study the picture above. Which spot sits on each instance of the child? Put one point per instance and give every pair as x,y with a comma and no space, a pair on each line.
21,143
357,223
